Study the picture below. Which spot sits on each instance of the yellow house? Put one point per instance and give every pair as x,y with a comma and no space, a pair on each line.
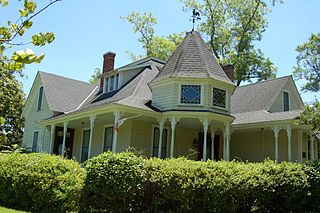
187,106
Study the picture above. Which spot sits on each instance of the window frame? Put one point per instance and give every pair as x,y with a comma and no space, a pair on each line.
104,129
152,137
289,104
190,84
40,99
226,99
83,130
37,143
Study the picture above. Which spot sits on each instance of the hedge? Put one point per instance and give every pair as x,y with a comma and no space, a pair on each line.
40,182
128,183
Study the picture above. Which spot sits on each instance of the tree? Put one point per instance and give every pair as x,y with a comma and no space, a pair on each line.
308,63
311,116
11,65
95,76
154,46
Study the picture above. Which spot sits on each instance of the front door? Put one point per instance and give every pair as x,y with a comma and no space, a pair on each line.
58,141
200,146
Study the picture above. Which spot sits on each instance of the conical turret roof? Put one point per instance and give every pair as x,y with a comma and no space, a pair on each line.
192,59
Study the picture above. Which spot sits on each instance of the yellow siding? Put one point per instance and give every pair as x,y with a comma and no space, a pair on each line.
33,117
141,136
184,143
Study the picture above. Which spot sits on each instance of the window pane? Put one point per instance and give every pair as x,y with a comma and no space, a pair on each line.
117,81
106,81
156,135
35,141
190,94
40,98
108,139
285,101
111,83
219,97
85,145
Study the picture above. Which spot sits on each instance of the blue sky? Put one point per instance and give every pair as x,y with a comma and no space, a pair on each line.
85,30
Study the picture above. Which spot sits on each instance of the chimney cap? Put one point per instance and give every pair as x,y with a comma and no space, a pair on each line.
109,53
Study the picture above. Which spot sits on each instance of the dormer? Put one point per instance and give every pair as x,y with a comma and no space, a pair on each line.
192,79
110,78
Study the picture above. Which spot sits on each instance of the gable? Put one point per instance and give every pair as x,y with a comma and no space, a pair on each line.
295,101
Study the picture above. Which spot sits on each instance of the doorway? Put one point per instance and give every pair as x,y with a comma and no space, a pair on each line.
58,141
216,146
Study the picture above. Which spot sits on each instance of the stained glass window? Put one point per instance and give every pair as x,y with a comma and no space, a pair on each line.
190,94
219,97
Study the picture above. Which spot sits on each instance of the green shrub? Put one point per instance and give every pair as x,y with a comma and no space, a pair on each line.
125,182
40,182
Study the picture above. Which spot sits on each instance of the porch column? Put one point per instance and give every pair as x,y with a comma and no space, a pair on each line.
92,118
161,124
52,128
288,130
300,139
205,123
226,148
316,150
307,148
213,131
276,137
65,129
311,147
174,121
41,138
115,132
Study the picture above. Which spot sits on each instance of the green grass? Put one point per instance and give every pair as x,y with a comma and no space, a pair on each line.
6,210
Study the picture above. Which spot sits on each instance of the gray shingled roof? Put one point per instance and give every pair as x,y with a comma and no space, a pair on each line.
264,116
257,96
64,94
193,59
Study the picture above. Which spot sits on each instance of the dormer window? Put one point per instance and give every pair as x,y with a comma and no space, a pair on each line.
190,94
219,98
111,83
111,86
286,101
39,106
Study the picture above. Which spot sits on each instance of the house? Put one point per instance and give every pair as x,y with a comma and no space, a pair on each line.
187,106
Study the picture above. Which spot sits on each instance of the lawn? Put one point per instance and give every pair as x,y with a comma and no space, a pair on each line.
6,210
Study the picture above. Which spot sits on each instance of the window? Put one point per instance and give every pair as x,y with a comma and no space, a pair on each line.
219,98
111,86
85,145
40,99
108,139
285,101
190,94
35,140
106,84
117,81
156,134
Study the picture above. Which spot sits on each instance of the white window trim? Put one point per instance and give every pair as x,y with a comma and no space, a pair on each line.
152,136
83,129
226,99
108,78
37,141
190,84
289,103
104,129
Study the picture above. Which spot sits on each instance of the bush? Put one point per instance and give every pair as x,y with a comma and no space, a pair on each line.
125,182
40,182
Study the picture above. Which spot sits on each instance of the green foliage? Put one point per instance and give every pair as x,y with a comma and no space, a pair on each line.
125,182
40,182
308,63
154,46
95,76
311,116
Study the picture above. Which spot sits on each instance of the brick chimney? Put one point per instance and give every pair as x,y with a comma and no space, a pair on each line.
108,65
228,69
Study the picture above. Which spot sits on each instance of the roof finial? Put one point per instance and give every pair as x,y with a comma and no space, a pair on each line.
195,17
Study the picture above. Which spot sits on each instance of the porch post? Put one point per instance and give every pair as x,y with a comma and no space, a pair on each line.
41,138
300,139
311,147
316,150
213,131
276,137
65,128
226,147
205,123
161,123
115,132
307,149
92,118
288,130
174,121
52,128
